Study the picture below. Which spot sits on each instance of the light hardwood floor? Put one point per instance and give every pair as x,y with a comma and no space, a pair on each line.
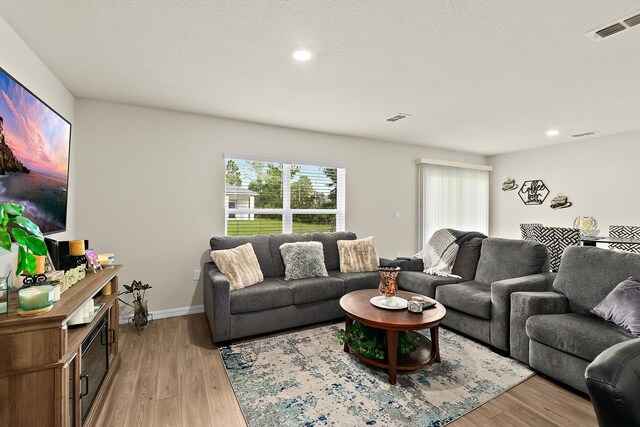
172,375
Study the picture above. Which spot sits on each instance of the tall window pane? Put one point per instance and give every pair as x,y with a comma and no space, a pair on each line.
453,197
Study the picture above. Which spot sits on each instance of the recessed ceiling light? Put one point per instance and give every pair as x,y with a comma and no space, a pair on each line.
553,132
302,55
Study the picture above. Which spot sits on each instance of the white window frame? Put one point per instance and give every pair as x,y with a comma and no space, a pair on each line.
286,211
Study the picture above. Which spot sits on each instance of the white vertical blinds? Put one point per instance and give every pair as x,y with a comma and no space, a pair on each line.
282,197
452,197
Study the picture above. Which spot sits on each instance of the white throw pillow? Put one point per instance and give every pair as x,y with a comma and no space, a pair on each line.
240,265
358,255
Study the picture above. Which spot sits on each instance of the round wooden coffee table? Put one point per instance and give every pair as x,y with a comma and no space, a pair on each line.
357,306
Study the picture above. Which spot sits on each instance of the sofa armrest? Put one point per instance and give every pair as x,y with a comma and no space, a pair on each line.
217,304
501,303
525,305
405,264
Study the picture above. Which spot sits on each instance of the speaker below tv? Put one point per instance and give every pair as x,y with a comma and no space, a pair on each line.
59,253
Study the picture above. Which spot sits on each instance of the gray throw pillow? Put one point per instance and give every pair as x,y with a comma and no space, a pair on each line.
303,260
622,306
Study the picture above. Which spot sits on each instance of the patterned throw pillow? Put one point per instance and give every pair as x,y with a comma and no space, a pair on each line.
622,306
358,255
303,260
240,265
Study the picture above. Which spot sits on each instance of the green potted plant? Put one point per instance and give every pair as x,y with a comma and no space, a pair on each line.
26,234
372,343
139,305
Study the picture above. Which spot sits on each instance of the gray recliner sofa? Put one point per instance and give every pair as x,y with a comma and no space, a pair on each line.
481,307
276,303
555,332
478,304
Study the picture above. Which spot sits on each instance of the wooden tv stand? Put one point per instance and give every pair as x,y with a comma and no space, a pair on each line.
40,357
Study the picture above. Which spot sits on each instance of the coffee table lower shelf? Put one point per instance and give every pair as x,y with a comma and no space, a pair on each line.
419,358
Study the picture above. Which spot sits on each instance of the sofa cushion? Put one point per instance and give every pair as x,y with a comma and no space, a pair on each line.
315,289
588,274
269,294
277,240
240,265
581,335
506,259
422,283
358,255
357,281
330,246
467,259
260,245
303,260
469,297
622,306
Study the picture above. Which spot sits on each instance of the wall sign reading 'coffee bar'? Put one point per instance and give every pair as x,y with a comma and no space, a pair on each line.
533,192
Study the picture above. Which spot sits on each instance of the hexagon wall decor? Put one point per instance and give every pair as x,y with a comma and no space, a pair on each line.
533,192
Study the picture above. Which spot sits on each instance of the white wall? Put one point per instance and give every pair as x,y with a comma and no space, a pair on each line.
151,187
598,175
20,61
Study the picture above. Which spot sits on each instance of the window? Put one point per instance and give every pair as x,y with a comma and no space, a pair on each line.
232,205
264,197
452,195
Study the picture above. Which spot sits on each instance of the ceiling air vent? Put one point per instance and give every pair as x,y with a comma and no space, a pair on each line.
578,135
633,21
609,31
615,27
397,117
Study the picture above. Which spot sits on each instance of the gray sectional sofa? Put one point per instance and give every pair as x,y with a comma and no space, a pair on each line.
554,332
277,303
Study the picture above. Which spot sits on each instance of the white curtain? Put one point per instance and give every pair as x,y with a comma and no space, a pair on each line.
452,197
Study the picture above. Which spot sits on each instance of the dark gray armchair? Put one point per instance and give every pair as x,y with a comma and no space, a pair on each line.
555,332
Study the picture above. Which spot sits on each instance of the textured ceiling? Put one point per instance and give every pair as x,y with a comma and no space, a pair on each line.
480,76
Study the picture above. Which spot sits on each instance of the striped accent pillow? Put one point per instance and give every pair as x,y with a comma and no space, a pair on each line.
358,255
240,265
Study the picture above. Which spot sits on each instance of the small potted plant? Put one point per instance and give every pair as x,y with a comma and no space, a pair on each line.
139,305
26,234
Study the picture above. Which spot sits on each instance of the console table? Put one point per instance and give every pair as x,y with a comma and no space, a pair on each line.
41,357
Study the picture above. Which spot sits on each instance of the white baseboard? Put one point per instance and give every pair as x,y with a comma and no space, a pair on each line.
172,312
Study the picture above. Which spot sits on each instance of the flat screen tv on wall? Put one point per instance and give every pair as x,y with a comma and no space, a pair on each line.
34,155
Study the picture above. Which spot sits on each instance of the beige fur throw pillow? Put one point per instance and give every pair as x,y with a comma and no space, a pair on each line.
240,265
358,255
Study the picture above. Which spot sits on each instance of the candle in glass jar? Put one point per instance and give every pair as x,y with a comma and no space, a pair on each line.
76,247
35,297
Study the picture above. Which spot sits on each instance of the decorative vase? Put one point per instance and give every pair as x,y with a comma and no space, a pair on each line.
140,313
388,285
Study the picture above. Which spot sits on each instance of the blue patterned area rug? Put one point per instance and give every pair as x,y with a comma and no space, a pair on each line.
303,378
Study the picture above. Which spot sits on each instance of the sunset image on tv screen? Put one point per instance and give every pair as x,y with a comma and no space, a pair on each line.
34,156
